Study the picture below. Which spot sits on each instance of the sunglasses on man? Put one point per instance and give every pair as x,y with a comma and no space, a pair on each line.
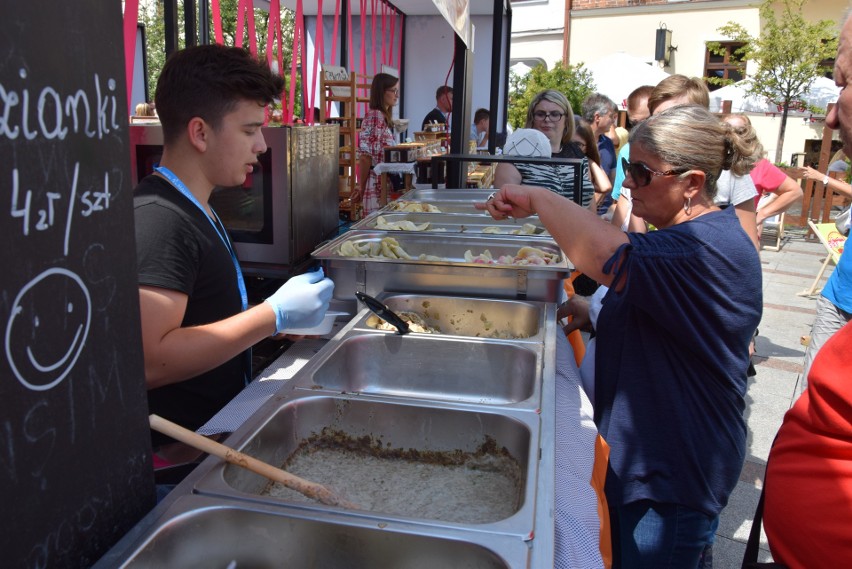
641,172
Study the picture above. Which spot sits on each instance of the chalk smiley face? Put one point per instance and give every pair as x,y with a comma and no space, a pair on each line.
47,328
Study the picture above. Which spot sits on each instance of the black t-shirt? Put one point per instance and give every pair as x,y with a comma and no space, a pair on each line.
178,249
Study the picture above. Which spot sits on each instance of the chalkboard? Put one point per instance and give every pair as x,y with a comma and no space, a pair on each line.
75,462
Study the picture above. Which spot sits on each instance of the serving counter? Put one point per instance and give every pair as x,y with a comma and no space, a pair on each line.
475,398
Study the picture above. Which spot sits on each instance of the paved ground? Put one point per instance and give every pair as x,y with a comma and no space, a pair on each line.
778,361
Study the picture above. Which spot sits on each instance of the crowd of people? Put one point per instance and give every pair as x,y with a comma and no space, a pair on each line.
675,255
674,322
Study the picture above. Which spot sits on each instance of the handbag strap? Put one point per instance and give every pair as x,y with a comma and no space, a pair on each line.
753,544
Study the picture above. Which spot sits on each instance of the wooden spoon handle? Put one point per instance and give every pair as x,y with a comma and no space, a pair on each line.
310,489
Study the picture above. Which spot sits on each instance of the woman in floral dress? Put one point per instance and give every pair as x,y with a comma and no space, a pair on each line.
376,133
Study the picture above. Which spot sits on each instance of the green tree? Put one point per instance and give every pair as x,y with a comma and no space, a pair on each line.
788,53
574,81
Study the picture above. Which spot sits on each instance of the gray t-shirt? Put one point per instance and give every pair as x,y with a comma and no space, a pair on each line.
733,190
838,166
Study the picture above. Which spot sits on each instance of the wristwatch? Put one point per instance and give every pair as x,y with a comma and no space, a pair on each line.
825,180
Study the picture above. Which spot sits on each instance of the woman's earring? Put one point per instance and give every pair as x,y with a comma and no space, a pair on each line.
687,206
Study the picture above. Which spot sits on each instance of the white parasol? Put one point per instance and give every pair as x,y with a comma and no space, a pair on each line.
618,74
822,92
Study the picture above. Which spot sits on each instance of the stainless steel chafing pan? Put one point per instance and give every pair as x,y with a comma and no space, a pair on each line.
456,223
451,274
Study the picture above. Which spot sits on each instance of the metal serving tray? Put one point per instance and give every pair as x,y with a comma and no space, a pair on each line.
430,194
200,532
453,275
455,223
217,514
446,206
515,320
424,426
431,367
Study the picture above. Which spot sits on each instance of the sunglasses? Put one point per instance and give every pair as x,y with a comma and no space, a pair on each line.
554,116
641,172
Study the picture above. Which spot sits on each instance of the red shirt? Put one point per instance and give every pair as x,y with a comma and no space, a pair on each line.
766,177
808,496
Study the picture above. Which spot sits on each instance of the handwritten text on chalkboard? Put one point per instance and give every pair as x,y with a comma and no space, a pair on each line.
50,115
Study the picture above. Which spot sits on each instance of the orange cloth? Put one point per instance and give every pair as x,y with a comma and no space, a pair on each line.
598,480
808,495
574,337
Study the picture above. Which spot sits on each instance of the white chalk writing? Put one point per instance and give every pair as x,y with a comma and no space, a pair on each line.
41,215
67,319
55,113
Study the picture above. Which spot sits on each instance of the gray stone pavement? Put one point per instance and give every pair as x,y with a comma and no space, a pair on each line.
787,317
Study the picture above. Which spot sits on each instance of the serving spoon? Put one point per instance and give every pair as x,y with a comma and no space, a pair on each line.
312,490
379,309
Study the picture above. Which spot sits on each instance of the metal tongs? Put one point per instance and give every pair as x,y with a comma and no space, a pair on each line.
383,312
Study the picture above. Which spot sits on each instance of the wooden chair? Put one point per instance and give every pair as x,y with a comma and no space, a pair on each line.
774,224
834,243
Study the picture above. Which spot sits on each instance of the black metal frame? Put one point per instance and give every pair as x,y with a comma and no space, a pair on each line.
577,182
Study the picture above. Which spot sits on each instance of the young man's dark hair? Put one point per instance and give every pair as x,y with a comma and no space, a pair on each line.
442,90
207,81
481,114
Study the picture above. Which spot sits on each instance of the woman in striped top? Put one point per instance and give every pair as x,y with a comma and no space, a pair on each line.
550,112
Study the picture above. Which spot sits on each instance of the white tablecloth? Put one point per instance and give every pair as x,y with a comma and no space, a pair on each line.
395,168
577,523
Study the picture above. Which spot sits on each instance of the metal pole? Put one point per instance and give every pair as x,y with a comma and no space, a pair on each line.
190,29
204,22
462,98
508,48
170,24
496,55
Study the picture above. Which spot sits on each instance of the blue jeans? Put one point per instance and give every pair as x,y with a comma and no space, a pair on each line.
654,535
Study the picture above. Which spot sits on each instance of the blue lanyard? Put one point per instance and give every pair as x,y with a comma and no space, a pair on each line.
217,225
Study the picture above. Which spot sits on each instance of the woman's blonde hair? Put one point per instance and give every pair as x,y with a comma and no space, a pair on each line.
676,86
747,134
556,98
689,137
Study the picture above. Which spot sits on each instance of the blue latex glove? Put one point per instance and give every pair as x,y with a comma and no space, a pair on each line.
301,302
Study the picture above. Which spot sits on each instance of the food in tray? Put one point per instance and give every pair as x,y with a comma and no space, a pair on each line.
405,205
416,323
525,229
525,256
455,485
460,324
389,248
404,225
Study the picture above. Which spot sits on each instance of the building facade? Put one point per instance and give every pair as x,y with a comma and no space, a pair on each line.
587,31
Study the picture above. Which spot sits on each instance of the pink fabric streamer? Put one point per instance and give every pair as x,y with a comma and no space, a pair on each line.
245,12
217,22
318,49
373,4
297,31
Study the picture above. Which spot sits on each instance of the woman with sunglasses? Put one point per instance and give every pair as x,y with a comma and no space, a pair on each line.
376,133
674,329
550,112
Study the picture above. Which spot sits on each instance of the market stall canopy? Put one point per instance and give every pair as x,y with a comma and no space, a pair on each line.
618,74
822,92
